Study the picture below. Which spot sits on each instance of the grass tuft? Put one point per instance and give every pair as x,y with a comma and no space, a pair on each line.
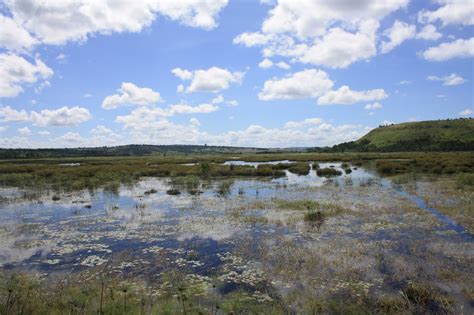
328,172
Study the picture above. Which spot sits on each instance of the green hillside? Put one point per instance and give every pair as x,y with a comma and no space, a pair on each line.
438,135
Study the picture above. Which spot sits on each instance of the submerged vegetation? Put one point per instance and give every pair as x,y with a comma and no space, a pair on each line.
326,208
452,195
224,187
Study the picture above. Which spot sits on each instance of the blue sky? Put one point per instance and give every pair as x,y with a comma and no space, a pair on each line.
246,73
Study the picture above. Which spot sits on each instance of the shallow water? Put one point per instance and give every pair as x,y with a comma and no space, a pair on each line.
203,233
256,164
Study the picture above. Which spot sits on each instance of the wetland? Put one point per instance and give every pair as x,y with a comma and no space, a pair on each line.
276,234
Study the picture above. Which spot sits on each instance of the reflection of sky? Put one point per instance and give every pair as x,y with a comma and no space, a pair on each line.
358,177
18,247
255,164
134,215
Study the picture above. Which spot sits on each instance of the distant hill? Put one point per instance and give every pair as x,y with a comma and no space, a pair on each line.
124,150
436,135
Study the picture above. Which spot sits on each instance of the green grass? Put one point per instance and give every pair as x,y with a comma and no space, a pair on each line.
328,172
23,294
439,135
111,172
423,298
429,163
465,179
312,207
223,188
301,168
313,216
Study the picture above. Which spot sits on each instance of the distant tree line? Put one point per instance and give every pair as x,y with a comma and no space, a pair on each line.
125,150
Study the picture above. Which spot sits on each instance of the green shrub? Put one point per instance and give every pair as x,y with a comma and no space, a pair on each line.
300,168
223,188
328,172
151,191
313,216
205,168
173,191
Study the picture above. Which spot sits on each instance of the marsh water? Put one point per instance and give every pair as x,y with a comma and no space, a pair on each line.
231,230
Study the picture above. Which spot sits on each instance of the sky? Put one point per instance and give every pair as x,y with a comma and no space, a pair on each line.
287,73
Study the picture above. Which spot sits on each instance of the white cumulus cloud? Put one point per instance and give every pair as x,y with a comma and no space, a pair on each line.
180,88
214,79
309,83
449,80
218,99
141,116
308,132
188,109
397,34
64,116
14,37
102,134
303,123
373,106
16,71
130,94
311,18
266,63
429,32
459,12
252,39
334,34
72,137
58,22
340,48
8,114
344,95
314,83
283,65
25,131
183,74
460,48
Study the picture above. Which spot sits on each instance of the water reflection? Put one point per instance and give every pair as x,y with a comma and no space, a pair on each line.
87,228
256,164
